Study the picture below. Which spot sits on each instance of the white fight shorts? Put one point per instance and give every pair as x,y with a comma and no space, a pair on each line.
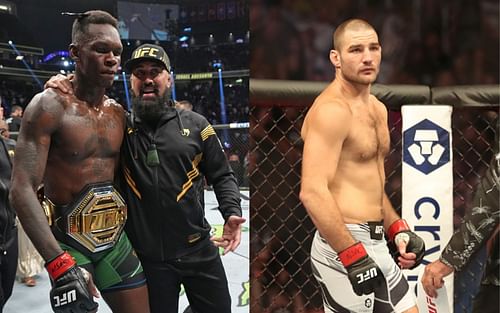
338,295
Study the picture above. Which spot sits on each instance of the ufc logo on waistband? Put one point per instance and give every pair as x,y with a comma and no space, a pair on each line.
65,298
369,274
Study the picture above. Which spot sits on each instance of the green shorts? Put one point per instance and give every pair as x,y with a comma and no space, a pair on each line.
116,269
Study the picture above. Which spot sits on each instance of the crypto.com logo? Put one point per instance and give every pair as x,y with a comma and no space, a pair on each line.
426,146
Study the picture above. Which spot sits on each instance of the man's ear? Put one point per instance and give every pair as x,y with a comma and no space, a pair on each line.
74,53
335,58
169,80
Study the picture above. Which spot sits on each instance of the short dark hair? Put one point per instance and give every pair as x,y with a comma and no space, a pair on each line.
81,24
354,24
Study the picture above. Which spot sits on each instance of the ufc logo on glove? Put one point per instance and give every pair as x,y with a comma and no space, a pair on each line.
369,274
65,298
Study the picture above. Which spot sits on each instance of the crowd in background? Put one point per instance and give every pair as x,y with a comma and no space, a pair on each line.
437,43
203,94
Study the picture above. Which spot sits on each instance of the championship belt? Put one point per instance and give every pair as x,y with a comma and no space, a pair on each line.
94,220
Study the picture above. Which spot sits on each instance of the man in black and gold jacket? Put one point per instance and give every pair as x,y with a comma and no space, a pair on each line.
167,154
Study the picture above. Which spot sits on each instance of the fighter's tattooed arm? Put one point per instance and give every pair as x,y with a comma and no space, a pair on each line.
41,119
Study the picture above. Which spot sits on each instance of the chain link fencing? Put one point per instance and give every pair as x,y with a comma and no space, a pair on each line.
234,138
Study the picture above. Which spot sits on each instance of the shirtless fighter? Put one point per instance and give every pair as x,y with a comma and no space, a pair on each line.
71,144
346,138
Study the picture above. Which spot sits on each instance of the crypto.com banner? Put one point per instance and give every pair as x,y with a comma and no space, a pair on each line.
427,179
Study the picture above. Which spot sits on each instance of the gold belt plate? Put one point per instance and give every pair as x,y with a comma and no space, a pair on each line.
98,220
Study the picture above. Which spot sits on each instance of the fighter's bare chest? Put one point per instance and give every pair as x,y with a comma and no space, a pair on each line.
368,137
84,135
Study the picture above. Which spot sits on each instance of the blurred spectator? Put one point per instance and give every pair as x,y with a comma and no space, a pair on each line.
184,105
29,263
14,121
5,134
237,167
291,39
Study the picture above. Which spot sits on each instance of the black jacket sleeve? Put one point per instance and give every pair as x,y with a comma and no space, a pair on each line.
478,224
215,167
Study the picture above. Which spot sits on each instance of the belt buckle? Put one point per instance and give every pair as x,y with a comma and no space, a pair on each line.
98,220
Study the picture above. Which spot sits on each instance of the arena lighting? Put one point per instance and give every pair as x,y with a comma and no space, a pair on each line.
25,64
217,64
187,29
61,53
223,116
7,8
127,96
174,97
65,63
20,57
239,40
183,38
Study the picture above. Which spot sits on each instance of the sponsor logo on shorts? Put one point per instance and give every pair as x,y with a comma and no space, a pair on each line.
426,146
368,303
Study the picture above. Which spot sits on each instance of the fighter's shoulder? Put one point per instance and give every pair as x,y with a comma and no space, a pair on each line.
328,105
375,100
49,100
327,114
379,105
112,104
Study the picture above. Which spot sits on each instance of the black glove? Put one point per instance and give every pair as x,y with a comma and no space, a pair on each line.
363,272
69,293
399,230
